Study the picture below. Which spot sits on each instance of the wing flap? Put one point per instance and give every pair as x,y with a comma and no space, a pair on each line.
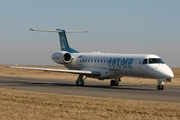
94,73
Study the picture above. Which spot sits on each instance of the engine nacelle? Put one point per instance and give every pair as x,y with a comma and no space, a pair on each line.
61,57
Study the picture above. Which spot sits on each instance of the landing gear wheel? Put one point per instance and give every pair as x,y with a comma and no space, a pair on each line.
112,83
160,87
160,82
79,83
80,80
116,83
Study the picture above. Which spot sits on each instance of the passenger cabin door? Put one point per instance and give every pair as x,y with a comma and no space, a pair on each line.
144,67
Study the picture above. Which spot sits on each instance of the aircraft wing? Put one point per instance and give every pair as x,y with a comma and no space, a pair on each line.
84,72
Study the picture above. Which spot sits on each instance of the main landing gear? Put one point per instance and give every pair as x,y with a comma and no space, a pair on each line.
80,81
115,82
160,85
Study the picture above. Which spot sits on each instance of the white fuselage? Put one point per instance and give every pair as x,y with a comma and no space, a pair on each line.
119,65
106,65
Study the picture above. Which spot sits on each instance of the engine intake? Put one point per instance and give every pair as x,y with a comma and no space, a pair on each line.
61,57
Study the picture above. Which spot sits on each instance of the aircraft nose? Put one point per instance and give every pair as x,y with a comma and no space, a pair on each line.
169,73
166,72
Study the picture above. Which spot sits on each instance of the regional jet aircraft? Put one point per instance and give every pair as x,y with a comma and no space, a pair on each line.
107,65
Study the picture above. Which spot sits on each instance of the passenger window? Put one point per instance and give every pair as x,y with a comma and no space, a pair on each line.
145,61
91,60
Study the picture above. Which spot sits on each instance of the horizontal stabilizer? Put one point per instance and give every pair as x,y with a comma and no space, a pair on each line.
59,30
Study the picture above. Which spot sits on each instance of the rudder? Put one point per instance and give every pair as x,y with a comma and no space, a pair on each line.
64,43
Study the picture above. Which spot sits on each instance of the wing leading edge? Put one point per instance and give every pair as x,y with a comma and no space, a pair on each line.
84,72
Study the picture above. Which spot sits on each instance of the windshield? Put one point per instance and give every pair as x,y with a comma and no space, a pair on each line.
145,61
153,61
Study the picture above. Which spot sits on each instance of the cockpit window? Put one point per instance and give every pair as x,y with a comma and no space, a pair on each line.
145,61
155,60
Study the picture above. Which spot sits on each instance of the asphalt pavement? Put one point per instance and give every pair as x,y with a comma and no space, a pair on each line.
96,89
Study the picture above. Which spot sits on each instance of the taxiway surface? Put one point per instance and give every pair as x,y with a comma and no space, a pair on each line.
97,89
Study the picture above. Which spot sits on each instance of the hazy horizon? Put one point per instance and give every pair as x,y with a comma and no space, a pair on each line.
144,27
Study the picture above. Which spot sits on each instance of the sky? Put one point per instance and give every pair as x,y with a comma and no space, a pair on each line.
114,26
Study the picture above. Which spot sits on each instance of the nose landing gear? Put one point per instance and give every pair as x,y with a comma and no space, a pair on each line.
160,85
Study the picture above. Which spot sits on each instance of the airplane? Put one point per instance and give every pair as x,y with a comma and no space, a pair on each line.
103,66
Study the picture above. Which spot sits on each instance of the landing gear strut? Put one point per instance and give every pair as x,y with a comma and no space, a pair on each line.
80,81
115,82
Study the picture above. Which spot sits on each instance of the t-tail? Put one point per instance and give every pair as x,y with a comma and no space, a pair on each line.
62,38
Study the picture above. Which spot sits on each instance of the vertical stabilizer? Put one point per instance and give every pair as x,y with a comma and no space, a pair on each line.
64,43
62,38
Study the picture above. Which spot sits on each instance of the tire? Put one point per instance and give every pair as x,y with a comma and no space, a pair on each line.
79,84
112,83
82,84
158,87
116,83
162,87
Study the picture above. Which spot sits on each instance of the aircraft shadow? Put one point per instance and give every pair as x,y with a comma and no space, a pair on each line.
59,84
